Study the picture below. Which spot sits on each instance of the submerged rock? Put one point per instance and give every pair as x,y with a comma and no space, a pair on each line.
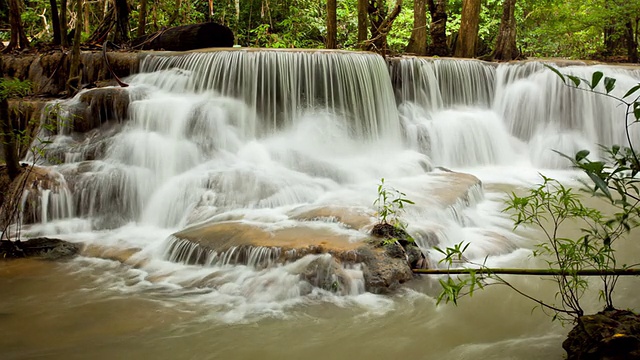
44,248
610,334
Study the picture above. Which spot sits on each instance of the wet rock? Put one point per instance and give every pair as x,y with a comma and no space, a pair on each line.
383,273
326,273
44,248
610,334
35,181
99,106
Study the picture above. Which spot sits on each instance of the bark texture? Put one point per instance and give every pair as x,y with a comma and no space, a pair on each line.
18,36
8,141
381,22
64,40
438,28
418,40
187,37
362,23
506,44
121,35
55,22
632,43
468,35
142,18
332,25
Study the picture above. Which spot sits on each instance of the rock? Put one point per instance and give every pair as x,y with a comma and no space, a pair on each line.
382,273
35,180
326,273
44,248
49,71
610,334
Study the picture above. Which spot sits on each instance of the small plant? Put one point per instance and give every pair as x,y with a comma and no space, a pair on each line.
390,208
391,205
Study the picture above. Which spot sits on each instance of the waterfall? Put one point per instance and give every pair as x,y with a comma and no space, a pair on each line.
291,146
526,103
281,85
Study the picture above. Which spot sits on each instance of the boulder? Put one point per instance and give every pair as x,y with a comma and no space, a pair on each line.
610,335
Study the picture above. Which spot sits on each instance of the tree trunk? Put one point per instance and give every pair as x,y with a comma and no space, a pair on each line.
8,141
381,23
87,18
632,44
55,22
142,18
187,37
468,35
332,25
121,35
418,40
362,23
64,40
75,78
18,37
506,44
438,28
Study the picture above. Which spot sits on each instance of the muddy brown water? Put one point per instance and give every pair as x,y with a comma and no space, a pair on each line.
91,309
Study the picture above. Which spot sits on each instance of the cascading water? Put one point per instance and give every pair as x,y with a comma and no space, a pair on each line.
271,143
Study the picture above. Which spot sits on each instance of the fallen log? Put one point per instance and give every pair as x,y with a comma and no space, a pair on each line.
540,272
186,37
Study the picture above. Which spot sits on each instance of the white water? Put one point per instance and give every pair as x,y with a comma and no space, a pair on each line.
253,136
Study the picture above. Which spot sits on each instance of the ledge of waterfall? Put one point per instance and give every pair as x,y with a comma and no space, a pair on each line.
340,231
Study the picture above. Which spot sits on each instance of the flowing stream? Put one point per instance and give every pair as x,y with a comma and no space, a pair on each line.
260,137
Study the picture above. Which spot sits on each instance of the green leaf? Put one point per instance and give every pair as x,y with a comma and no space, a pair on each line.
557,72
632,90
609,84
600,184
595,79
582,154
636,110
575,80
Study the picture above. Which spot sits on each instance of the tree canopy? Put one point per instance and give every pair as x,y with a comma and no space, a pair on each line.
596,29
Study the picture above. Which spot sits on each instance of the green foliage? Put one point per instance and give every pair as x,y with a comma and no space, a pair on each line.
390,208
391,205
11,88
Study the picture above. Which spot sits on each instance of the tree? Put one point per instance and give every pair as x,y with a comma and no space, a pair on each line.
18,37
506,44
362,23
64,40
418,40
55,22
468,35
332,26
632,41
9,89
122,22
75,79
381,22
438,29
142,17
